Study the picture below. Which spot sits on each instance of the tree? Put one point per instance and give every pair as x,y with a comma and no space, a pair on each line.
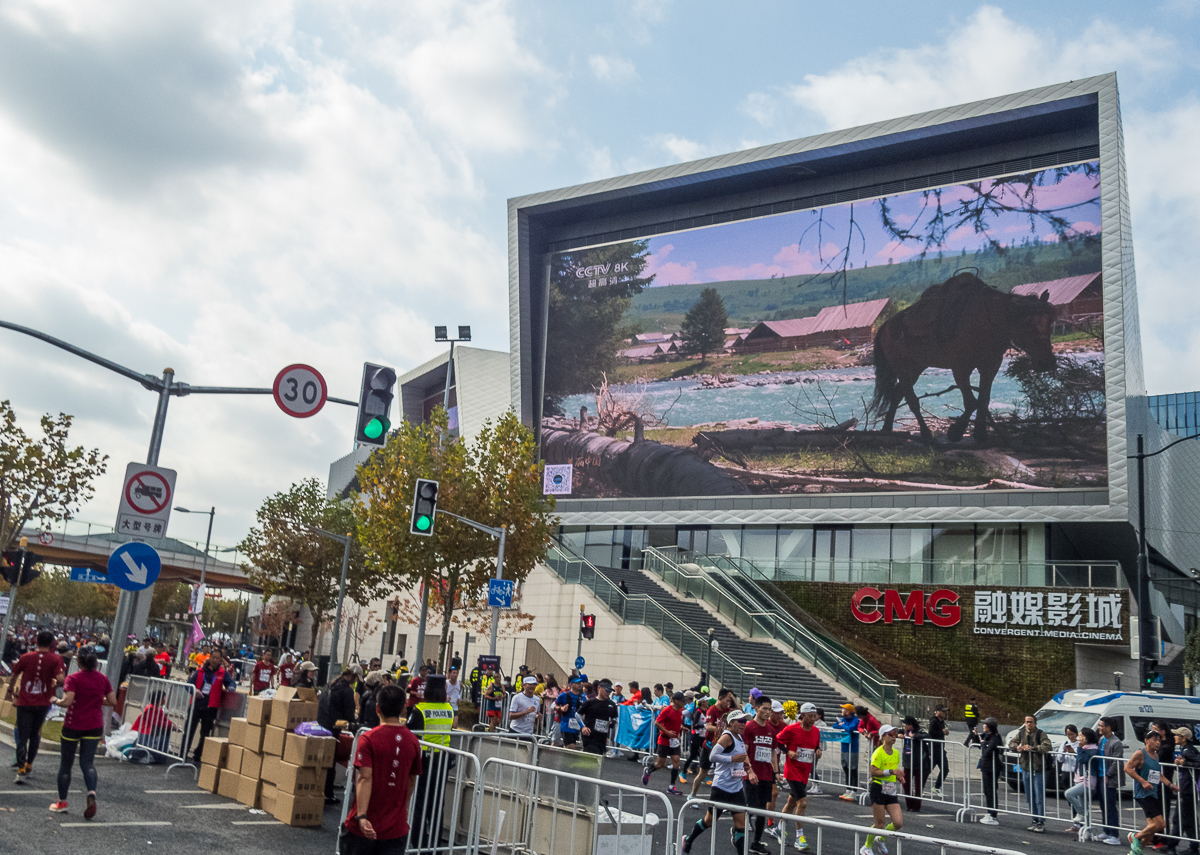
53,594
496,480
41,479
1191,656
704,324
289,560
358,624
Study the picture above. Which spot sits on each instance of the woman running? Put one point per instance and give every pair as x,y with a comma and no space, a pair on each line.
885,789
85,694
728,755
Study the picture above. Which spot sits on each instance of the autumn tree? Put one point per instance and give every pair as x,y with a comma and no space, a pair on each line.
495,479
42,479
288,559
703,328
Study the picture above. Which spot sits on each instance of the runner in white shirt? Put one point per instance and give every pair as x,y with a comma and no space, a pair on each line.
522,709
453,689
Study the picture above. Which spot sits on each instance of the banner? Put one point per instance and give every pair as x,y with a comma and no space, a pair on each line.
635,727
196,636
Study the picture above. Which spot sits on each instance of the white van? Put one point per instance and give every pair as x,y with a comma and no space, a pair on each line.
1132,714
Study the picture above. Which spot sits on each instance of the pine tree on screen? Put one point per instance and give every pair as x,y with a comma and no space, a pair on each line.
704,325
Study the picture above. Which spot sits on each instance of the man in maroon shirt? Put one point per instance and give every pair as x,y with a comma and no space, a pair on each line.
670,738
759,737
386,764
264,672
37,672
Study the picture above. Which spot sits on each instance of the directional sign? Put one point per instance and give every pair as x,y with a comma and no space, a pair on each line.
300,391
146,497
578,662
87,574
134,566
500,593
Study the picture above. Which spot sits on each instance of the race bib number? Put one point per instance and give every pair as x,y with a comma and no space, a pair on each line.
601,727
762,754
674,742
739,771
1154,777
889,788
804,755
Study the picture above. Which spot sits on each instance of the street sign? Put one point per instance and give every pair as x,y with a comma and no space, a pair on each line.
489,662
556,479
87,574
45,538
500,593
4,605
300,391
578,662
134,566
146,497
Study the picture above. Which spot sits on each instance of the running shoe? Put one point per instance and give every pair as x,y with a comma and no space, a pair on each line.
988,819
646,776
58,807
937,792
846,797
814,790
864,850
759,847
773,831
675,791
682,778
686,845
881,846
801,843
1135,845
90,810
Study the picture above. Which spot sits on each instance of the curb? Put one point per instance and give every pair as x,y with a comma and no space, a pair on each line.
7,738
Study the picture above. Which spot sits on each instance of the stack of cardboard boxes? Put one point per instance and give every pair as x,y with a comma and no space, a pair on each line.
265,764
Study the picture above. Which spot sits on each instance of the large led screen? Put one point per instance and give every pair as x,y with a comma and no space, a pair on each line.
942,339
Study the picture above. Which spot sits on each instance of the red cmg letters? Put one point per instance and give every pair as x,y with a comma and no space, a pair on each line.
940,609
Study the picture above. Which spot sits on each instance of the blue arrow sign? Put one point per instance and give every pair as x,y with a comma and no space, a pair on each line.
134,566
578,662
500,593
87,574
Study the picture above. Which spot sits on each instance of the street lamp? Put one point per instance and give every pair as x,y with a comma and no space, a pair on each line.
212,512
712,644
334,667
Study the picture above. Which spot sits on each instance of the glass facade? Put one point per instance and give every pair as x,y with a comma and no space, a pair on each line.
1178,413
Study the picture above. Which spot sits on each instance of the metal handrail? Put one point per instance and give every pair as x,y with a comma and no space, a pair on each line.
846,668
645,611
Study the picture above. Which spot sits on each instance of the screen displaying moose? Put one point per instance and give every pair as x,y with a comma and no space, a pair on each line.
943,339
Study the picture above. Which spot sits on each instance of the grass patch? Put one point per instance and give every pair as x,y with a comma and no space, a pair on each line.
51,730
729,363
1078,335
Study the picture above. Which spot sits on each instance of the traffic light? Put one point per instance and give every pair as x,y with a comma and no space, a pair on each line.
1152,676
587,625
12,567
424,507
375,404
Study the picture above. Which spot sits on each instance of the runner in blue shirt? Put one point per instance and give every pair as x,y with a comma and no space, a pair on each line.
567,705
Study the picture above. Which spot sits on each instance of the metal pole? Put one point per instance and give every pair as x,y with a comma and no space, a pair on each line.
12,597
499,575
334,668
1145,635
465,660
579,641
421,625
207,541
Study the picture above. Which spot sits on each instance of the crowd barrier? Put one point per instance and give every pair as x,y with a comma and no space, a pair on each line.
1115,812
162,712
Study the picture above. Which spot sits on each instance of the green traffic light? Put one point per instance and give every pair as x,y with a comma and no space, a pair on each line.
375,428
424,523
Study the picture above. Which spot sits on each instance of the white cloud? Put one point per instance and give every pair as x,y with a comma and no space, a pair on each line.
679,148
612,69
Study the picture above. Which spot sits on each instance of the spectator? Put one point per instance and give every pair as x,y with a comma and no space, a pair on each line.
1114,778
990,764
306,676
1032,746
370,715
1085,749
211,682
937,748
1187,761
336,712
915,760
153,726
849,724
868,726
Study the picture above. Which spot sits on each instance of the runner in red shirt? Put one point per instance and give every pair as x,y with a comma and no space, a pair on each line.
801,745
759,737
386,765
37,673
286,669
264,672
670,737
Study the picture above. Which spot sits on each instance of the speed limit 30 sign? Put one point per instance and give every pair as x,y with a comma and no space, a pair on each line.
300,391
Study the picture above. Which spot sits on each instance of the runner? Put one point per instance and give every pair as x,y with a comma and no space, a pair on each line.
729,756
778,722
885,790
598,716
1148,780
801,745
263,674
36,673
567,705
670,737
85,694
714,724
696,731
759,737
287,668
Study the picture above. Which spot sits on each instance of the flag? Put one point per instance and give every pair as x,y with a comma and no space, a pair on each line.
197,635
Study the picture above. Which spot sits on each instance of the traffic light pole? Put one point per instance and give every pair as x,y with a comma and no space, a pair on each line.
334,666
501,533
12,596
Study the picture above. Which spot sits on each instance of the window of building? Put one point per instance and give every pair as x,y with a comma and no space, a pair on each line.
758,545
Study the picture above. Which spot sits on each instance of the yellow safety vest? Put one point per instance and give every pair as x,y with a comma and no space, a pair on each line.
972,712
439,718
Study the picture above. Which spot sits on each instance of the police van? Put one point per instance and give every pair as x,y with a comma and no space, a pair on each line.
1132,713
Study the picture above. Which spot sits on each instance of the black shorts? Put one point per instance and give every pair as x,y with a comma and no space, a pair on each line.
878,798
664,750
706,758
758,795
1151,806
570,737
353,844
799,789
592,745
74,735
727,798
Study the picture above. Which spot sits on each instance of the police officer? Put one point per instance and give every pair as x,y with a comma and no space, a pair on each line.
476,682
971,715
433,719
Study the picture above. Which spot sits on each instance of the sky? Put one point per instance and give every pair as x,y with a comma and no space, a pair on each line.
228,188
809,242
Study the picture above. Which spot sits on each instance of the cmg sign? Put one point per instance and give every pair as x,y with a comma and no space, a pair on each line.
940,608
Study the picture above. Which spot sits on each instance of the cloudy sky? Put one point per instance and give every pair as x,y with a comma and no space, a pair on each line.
227,188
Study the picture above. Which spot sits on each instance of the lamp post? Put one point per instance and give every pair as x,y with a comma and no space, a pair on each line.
334,666
212,512
712,642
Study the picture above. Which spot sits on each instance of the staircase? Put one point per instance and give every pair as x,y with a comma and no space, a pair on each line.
781,677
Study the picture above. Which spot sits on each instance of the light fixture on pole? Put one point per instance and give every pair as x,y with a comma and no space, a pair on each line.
212,512
334,666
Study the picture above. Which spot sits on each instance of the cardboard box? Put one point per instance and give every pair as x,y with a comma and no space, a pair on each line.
233,759
273,740
215,750
299,811
331,744
292,706
251,764
267,797
228,784
237,731
300,780
249,790
258,711
209,775
270,768
252,739
304,751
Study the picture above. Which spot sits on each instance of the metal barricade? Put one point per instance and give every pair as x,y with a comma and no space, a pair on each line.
1008,793
1114,811
525,808
485,722
161,711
